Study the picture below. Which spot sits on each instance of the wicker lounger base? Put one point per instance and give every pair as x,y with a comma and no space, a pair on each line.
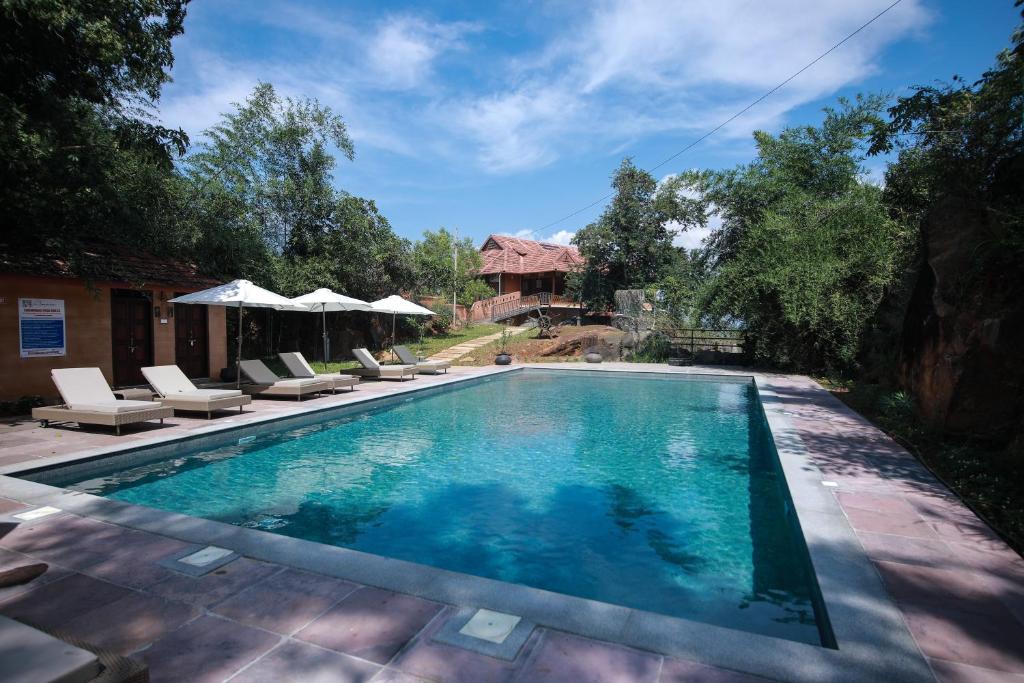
296,392
186,405
375,374
342,382
48,414
115,668
433,369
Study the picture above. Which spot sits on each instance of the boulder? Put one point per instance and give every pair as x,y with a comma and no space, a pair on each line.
963,334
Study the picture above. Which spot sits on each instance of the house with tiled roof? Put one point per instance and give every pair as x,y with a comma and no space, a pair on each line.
513,264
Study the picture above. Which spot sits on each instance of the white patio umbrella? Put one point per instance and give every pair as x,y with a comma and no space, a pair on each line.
396,306
241,293
324,300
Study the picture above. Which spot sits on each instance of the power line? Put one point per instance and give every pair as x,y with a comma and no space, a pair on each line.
732,118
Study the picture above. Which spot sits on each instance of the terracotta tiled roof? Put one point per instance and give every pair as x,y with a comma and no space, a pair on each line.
503,254
105,263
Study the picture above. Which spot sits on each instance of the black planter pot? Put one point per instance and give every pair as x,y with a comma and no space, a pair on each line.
503,359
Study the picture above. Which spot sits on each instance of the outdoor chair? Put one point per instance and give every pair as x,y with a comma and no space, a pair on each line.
371,368
430,367
88,400
177,391
298,367
266,383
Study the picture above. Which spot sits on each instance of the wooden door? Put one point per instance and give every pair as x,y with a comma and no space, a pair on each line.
190,338
132,337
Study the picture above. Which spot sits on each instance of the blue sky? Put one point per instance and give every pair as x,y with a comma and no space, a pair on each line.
506,116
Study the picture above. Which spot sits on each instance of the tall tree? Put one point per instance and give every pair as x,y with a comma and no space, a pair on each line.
630,245
435,265
273,155
807,250
80,157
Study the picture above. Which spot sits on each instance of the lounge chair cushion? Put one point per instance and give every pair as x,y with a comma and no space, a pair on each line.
406,356
116,406
298,382
366,359
259,373
296,364
214,393
83,386
168,379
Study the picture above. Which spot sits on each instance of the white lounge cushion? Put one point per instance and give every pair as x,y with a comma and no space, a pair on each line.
115,407
78,386
168,379
213,393
299,382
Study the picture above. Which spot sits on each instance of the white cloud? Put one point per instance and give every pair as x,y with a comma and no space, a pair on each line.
402,52
599,78
561,237
640,67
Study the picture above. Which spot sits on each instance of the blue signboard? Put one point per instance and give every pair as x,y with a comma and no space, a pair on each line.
41,327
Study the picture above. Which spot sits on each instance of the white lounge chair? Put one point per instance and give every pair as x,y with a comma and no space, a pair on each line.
88,400
177,391
371,368
430,367
266,383
298,367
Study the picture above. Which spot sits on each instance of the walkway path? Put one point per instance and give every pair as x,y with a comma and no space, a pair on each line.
453,353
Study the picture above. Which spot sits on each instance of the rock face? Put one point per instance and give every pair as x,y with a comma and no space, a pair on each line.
962,354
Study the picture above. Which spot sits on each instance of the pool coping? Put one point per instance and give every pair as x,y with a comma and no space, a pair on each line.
873,640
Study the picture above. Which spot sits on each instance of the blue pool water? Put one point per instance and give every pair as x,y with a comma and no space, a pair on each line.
659,494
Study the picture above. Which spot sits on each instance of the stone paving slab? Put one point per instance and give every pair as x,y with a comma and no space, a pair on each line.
459,350
286,601
302,663
371,624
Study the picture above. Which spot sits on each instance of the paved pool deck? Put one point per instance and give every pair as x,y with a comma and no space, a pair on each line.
939,582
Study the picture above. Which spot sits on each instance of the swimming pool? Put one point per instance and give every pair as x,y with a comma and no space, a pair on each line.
662,494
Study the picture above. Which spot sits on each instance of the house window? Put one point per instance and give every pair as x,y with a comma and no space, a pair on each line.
540,283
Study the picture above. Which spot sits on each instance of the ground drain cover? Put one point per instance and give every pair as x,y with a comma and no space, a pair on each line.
197,561
37,513
487,632
492,626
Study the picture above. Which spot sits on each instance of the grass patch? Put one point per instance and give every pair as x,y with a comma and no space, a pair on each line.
986,476
432,343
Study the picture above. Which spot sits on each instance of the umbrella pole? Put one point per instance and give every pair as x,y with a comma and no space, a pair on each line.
238,358
324,312
393,316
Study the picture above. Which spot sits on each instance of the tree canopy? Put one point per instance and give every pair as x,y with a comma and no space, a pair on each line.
630,245
80,157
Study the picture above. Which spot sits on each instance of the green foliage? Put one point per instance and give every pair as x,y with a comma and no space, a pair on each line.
473,290
654,348
807,250
630,245
965,142
434,266
442,319
679,285
502,345
80,158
